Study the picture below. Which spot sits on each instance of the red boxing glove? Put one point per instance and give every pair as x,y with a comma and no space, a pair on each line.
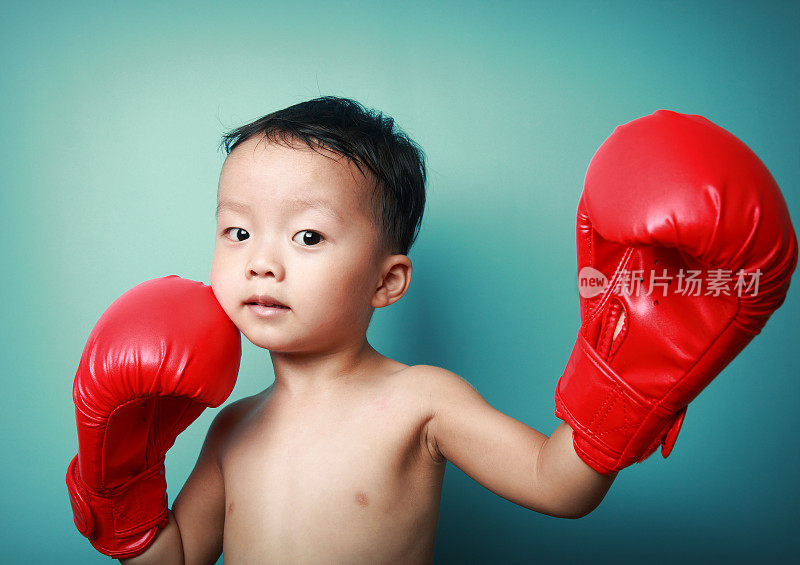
667,197
160,354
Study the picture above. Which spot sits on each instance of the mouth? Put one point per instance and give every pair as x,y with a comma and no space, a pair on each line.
265,301
267,305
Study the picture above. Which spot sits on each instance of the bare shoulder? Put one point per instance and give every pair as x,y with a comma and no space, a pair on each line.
230,417
439,385
234,412
439,393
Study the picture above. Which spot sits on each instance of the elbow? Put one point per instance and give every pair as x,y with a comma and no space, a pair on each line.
578,513
575,510
582,502
562,509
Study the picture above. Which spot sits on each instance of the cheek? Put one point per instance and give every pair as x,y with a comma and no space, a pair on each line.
356,282
216,279
221,285
222,262
331,285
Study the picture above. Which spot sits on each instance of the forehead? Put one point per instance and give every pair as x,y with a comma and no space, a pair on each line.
264,170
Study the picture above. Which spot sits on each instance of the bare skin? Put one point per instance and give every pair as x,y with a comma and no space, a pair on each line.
352,472
350,477
341,460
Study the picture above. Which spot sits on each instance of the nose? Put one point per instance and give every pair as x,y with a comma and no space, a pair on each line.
264,262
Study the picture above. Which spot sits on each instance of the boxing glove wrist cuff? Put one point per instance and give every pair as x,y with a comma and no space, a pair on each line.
120,522
613,425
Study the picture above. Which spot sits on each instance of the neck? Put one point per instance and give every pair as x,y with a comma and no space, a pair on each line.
307,372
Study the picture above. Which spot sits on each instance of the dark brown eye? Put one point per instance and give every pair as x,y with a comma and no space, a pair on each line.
307,237
239,233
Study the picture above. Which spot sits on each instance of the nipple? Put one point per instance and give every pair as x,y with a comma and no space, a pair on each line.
361,499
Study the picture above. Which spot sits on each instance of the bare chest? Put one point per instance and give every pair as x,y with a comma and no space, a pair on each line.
340,480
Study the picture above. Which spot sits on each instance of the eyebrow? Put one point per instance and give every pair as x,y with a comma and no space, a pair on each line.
294,205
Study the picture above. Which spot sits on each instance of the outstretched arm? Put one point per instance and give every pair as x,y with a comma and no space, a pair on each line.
506,456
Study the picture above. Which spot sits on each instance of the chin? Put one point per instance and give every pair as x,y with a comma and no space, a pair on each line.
262,342
267,342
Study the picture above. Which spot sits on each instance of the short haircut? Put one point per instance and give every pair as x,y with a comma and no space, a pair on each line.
365,137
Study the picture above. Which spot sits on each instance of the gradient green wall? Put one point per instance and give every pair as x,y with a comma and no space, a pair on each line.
111,115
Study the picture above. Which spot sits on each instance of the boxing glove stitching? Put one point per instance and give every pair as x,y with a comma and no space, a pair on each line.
612,283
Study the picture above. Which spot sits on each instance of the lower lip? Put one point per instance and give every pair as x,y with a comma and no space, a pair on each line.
266,311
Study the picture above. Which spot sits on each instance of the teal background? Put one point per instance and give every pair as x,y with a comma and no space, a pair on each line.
111,115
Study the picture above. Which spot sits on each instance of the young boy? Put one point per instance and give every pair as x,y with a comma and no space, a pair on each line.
341,459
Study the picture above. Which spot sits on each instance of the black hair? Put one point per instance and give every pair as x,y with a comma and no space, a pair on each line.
365,137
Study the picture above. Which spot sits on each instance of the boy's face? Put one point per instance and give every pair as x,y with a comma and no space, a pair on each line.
293,224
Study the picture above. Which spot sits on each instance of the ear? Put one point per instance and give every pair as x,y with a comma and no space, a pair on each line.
394,281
